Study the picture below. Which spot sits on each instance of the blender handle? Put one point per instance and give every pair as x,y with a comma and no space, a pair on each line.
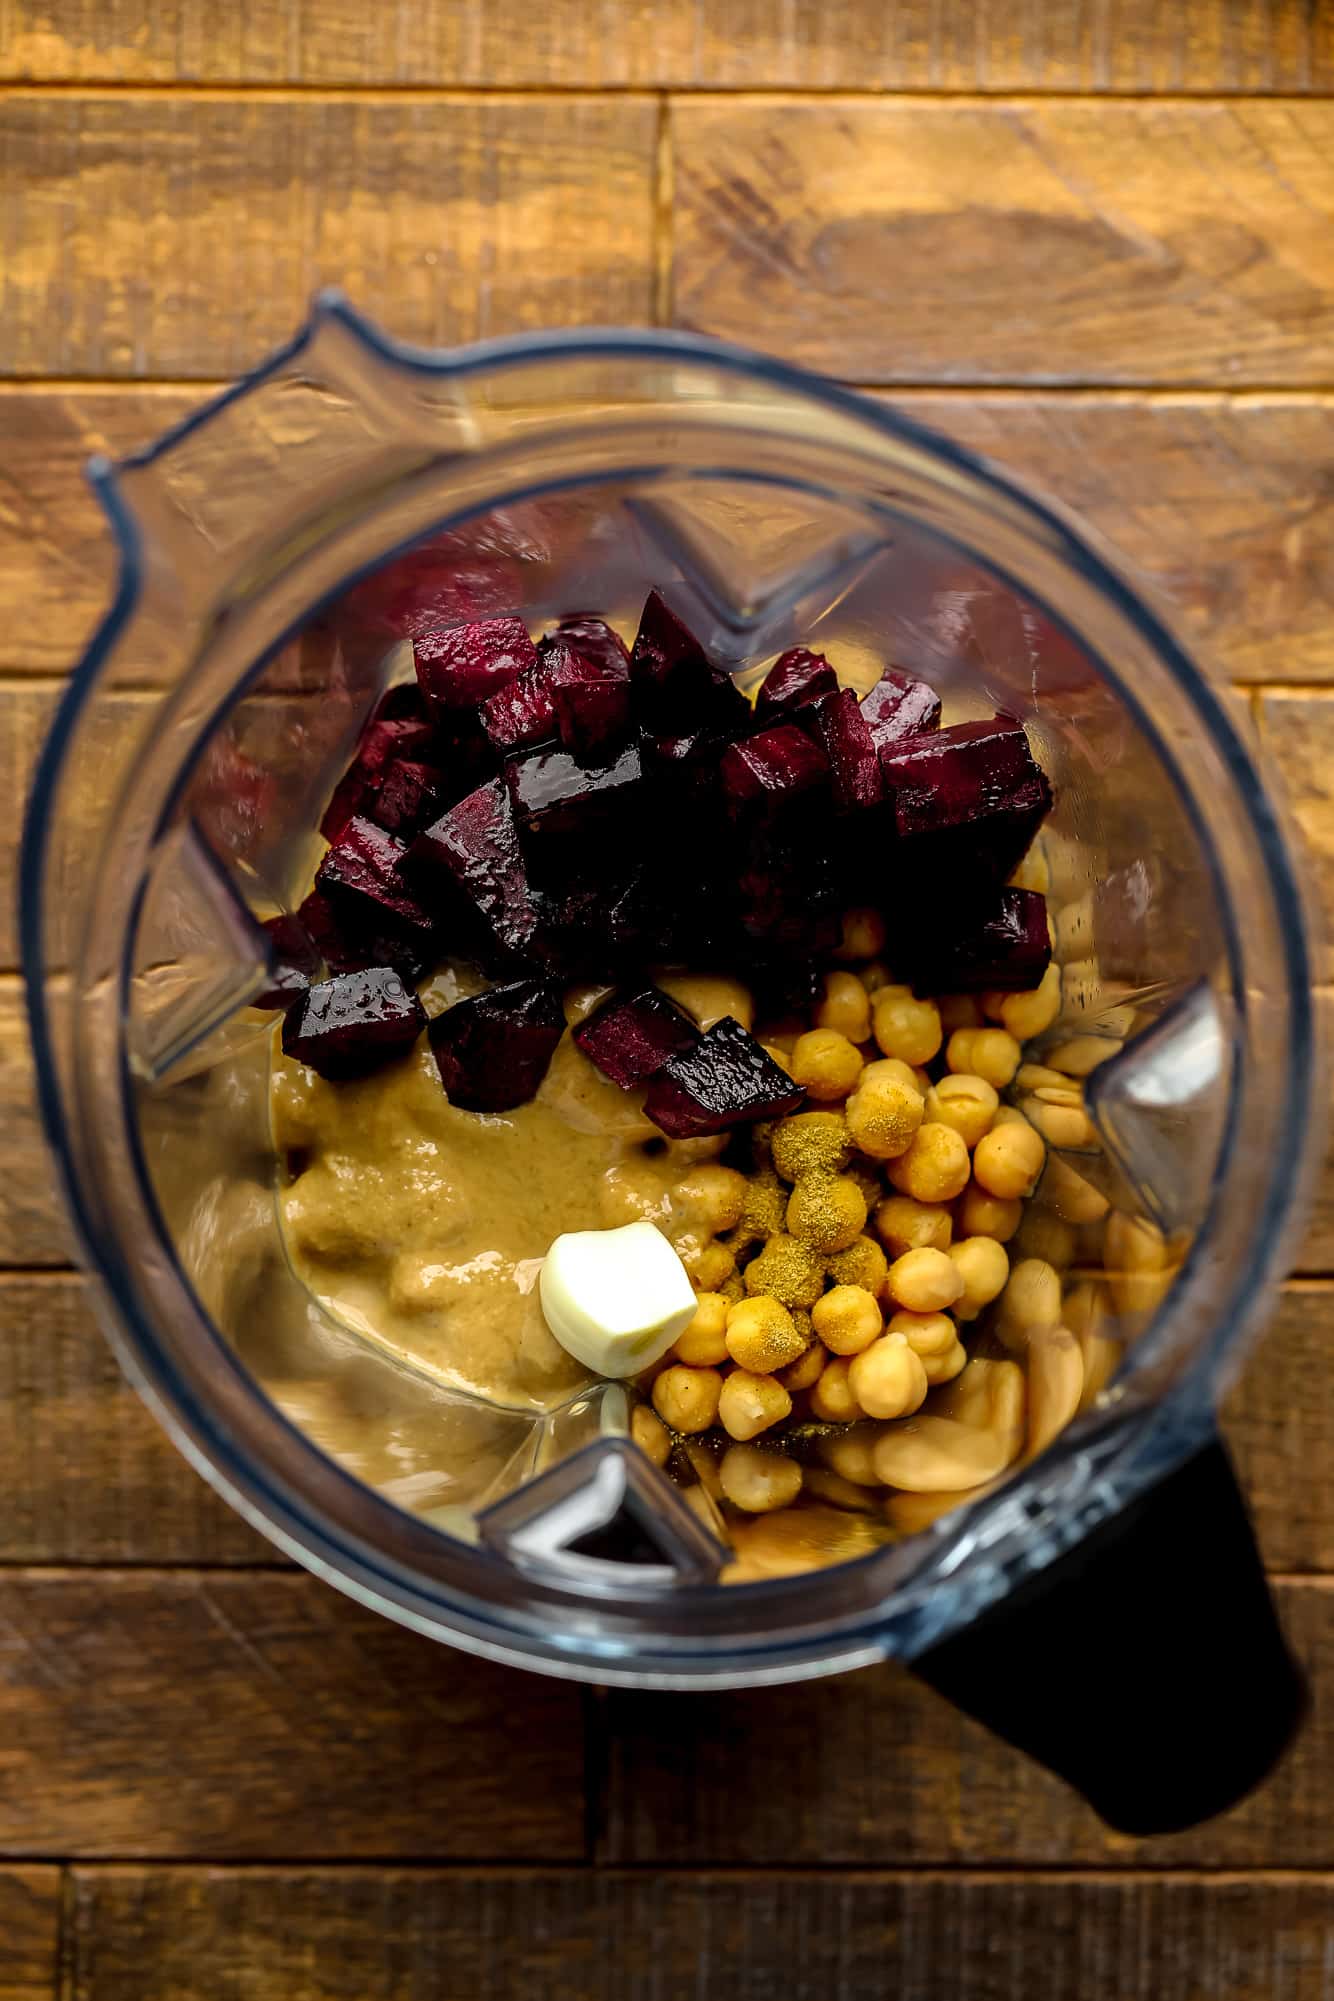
1161,1625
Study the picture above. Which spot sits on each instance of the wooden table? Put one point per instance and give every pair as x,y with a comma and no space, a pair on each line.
1095,239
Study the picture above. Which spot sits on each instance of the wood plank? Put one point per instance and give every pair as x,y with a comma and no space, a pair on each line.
1035,242
192,1935
814,44
258,1714
86,1475
32,1231
878,1771
183,236
1297,732
29,1934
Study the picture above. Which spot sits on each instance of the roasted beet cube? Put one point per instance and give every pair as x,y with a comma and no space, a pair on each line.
788,896
837,724
1006,951
796,679
522,715
354,1023
590,693
768,772
294,961
553,794
383,743
899,706
492,1050
459,666
361,874
476,844
410,795
348,947
631,1036
669,670
595,640
401,703
966,803
724,1079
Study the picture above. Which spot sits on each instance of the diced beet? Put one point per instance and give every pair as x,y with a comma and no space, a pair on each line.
383,743
294,960
522,715
476,844
788,899
493,1050
590,693
599,645
410,795
459,666
725,1079
771,770
669,671
631,1036
796,679
361,873
553,794
403,702
843,733
899,706
1006,951
354,1023
348,948
966,803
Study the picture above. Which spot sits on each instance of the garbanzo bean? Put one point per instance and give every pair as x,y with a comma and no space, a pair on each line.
884,1112
995,1057
935,1167
906,1027
845,1006
983,1269
850,1454
757,1481
904,1225
826,1211
702,1344
1070,1195
831,1395
981,1214
959,1011
1008,1160
1031,1299
888,1379
750,1404
924,1281
863,1263
967,1104
799,1375
1045,1235
786,1269
650,1434
762,1336
810,1142
711,1197
709,1265
934,1339
687,1399
863,934
1030,1014
847,1319
825,1064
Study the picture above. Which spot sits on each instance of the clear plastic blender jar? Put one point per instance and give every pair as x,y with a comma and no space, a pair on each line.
277,553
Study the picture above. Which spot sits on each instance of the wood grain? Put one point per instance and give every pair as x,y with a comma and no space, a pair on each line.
29,1934
1074,242
1297,732
194,1935
1222,504
260,1714
814,44
32,1231
878,1771
86,1475
183,237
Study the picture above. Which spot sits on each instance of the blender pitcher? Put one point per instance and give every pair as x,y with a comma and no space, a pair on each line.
278,552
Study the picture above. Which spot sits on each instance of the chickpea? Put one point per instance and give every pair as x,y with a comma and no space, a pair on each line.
750,1404
884,1113
888,1379
845,1006
907,1028
811,1142
904,1225
701,1345
862,1264
1136,1258
1081,1055
1037,1077
786,1269
983,1269
1030,1014
966,1104
825,1064
757,1481
1031,1300
863,935
779,1053
847,1319
1032,873
733,1288
687,1399
849,1455
924,1281
991,1004
1008,1160
650,1434
710,1266
702,1504
838,1492
800,1375
876,976
935,1167
831,1396
702,1458
762,1336
1061,1120
959,1011
995,1057
711,1197
1044,1235
1071,1196
826,1211
934,1339
887,1067
982,1214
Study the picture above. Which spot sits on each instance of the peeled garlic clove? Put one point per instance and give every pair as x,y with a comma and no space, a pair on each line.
616,1299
